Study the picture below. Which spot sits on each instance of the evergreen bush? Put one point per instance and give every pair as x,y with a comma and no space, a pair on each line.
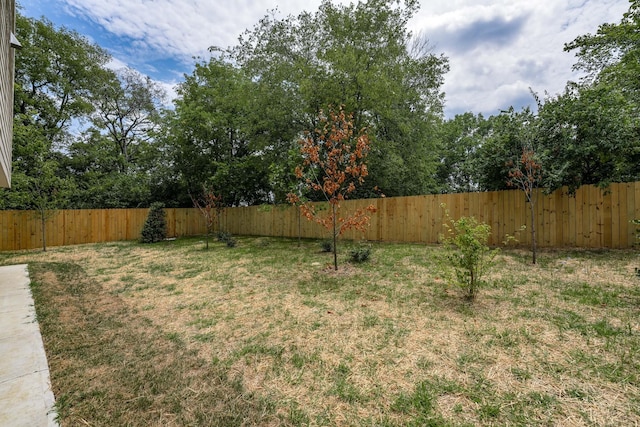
155,227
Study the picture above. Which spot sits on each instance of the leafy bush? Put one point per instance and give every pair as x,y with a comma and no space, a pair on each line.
155,227
223,236
231,242
361,254
227,238
326,246
467,252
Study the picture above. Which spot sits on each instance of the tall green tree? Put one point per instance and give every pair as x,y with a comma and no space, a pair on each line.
591,132
612,54
127,109
461,138
210,135
56,72
590,136
113,162
363,57
93,163
502,143
37,183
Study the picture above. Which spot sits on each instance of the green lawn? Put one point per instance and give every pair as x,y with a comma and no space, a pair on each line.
267,334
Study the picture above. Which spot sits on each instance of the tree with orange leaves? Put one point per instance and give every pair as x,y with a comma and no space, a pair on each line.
210,206
333,164
527,176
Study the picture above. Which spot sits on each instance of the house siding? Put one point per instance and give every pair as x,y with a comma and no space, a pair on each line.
7,26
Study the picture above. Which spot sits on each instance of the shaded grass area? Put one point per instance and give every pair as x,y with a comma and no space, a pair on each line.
267,334
111,366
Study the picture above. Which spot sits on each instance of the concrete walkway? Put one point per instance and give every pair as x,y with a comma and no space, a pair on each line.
26,398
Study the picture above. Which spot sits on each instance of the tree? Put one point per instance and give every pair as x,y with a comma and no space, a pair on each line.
592,129
527,176
127,107
210,206
461,138
589,135
113,161
210,139
41,190
55,73
93,164
155,227
466,251
334,163
363,57
612,53
500,143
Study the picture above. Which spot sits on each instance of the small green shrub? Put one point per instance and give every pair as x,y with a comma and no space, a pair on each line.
227,239
361,254
326,246
155,227
467,252
223,236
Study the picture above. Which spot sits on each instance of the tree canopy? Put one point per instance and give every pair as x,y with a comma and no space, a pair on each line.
88,136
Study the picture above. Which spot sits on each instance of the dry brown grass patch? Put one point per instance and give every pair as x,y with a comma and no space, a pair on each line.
346,347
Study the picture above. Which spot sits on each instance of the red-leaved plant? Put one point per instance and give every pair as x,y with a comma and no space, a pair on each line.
527,176
333,164
210,206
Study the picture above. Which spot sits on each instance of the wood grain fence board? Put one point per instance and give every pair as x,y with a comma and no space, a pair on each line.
555,209
587,217
579,218
631,203
625,229
621,216
556,217
611,218
510,220
4,231
506,214
625,218
541,227
636,211
595,217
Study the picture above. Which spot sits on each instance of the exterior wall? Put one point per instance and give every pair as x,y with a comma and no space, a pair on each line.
7,26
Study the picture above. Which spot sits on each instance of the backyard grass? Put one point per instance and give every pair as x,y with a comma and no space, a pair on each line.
267,334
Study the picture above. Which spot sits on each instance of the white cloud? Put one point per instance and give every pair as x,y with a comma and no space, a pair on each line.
509,46
182,27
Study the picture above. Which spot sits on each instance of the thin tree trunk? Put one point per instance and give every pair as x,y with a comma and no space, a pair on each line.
335,239
44,232
533,230
299,226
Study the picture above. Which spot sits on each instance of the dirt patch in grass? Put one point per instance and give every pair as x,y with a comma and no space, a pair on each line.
176,335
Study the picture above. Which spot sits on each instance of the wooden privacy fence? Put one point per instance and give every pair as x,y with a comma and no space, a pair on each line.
22,229
592,218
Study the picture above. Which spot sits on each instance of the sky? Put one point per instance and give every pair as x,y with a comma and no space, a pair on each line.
498,50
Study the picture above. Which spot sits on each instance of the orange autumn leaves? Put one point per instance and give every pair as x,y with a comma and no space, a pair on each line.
333,165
